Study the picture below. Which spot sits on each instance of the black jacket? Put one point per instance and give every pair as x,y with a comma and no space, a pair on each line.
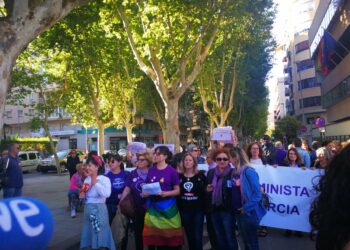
72,163
226,192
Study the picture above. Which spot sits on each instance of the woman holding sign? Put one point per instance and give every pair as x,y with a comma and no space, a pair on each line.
191,200
162,221
219,198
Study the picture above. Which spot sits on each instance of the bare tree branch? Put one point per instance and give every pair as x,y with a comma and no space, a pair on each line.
202,55
146,69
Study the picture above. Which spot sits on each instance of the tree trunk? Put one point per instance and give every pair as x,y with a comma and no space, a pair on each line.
25,20
128,133
172,131
52,145
6,64
101,138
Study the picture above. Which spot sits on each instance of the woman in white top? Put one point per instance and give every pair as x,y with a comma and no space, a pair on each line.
255,154
96,232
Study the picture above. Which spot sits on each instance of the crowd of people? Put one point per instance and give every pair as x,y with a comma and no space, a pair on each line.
228,196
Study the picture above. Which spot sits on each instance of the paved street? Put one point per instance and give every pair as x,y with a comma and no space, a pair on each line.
52,189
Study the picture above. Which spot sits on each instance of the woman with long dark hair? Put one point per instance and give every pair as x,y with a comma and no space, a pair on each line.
330,216
293,159
191,201
96,232
162,221
255,154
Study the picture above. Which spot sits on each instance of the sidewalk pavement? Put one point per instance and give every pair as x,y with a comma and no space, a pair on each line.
52,190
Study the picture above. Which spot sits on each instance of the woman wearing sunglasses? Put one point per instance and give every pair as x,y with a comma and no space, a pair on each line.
162,227
219,192
134,184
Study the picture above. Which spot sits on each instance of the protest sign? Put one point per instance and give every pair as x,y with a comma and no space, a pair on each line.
223,134
292,192
136,147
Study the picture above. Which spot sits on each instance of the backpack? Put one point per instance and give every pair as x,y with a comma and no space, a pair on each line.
4,163
265,198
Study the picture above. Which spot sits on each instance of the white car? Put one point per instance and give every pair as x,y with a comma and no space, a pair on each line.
49,164
29,160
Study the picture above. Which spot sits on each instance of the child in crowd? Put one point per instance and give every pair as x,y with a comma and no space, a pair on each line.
74,189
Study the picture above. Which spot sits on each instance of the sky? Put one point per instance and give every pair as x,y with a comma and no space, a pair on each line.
279,35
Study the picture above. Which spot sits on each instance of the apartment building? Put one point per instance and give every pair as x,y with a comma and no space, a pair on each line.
329,39
72,136
302,86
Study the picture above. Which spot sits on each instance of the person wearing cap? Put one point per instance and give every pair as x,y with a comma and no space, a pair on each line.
195,152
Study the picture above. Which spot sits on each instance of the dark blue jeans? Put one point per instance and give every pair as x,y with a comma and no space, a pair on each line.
12,192
248,226
224,226
193,220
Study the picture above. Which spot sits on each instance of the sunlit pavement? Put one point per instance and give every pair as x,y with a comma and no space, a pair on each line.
52,189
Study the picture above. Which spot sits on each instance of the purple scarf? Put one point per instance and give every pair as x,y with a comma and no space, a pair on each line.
217,185
142,175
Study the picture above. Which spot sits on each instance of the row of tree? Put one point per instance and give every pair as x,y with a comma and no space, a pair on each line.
107,61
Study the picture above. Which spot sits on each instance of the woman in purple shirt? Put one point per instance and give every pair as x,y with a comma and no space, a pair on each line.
162,221
134,184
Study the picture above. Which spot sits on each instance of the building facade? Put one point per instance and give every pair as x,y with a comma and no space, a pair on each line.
302,87
74,136
329,39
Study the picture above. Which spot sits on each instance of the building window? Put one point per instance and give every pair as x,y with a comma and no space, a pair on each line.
337,94
19,113
73,143
31,112
9,114
305,64
310,102
304,45
308,83
31,97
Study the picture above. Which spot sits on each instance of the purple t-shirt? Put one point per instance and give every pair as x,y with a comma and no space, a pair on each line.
135,182
167,177
118,182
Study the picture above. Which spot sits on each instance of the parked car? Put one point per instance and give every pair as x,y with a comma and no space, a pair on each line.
29,160
48,164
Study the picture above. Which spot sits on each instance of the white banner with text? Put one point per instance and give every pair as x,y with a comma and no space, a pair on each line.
291,192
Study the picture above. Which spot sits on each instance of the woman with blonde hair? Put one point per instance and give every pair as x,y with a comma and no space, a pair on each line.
191,200
246,198
134,184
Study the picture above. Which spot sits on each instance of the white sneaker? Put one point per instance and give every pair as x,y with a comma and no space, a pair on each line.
73,213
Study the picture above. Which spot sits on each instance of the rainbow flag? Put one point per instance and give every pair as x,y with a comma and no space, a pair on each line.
325,53
163,224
